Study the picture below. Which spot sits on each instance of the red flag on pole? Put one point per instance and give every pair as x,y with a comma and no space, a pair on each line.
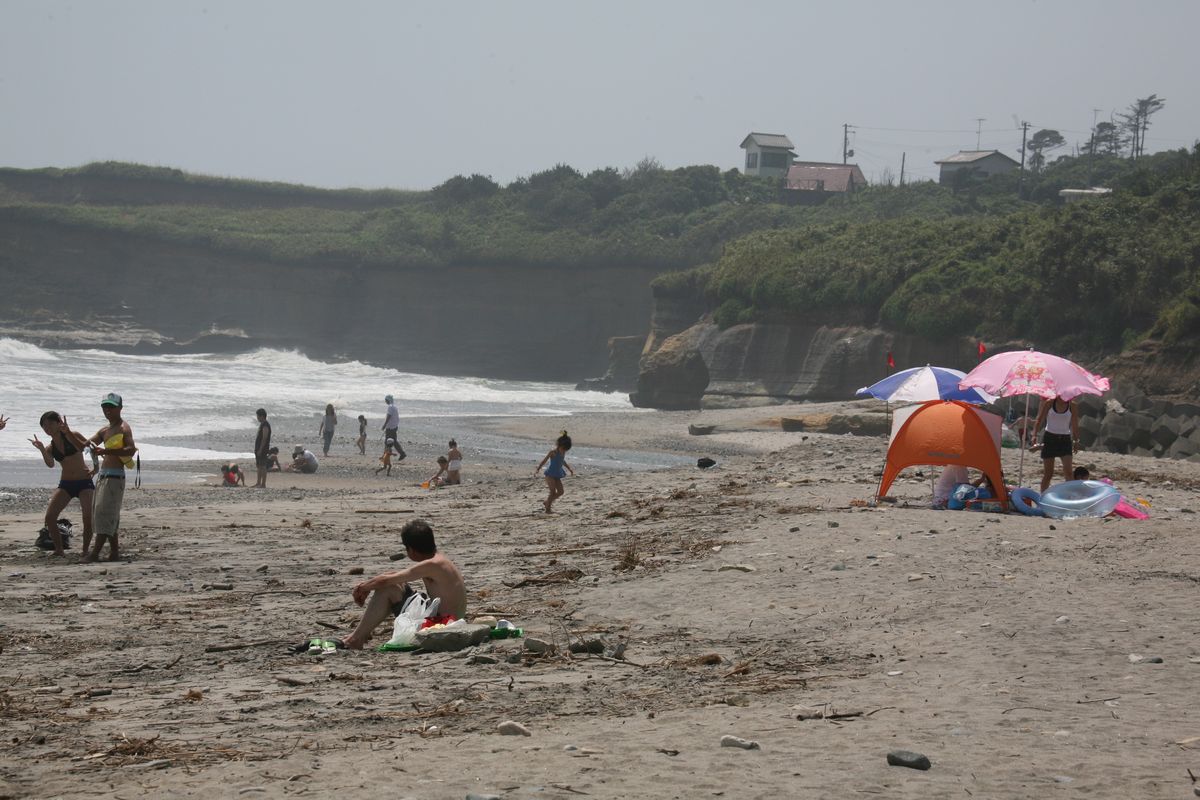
891,361
982,351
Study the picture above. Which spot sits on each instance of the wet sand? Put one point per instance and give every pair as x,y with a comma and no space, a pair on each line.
1018,654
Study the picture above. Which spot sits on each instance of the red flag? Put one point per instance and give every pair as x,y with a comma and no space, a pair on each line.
891,361
982,351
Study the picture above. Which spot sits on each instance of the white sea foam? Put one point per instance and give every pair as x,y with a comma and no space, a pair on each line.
173,396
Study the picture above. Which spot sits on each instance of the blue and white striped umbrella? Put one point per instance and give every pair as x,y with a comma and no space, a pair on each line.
919,384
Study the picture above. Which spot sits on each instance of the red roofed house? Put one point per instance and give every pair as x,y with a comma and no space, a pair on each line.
817,176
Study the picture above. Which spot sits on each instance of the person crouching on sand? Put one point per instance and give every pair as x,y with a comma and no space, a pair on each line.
437,478
385,594
556,469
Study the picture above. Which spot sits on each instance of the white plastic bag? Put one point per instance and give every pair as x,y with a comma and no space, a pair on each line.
409,620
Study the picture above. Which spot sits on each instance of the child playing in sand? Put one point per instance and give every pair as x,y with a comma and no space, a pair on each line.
436,479
362,435
232,476
385,460
556,469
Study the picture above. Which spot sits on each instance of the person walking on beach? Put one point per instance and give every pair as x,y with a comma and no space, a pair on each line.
391,425
66,447
386,594
327,426
362,435
385,460
556,469
262,450
1060,437
114,444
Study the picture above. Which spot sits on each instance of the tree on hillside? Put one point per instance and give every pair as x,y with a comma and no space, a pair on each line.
1040,143
1108,139
1137,121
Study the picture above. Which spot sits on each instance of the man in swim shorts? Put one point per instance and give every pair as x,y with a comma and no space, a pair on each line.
114,443
262,450
385,594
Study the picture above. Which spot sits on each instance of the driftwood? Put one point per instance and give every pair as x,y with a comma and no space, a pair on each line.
221,648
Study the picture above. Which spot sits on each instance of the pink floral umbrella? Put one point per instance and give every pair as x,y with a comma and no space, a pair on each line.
1029,372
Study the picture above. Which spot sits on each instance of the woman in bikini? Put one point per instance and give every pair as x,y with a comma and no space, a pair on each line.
66,447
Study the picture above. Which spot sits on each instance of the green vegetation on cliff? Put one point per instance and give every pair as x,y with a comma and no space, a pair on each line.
965,260
1091,275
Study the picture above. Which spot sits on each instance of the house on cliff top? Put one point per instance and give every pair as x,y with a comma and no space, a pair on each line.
768,154
984,163
818,176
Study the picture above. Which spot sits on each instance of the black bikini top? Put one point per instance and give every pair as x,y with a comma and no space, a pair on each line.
69,449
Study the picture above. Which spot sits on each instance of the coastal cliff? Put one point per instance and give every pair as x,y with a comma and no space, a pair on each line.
519,322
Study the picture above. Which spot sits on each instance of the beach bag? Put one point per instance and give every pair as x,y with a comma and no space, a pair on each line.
44,541
408,621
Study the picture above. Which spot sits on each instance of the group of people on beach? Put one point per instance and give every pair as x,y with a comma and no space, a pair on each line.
99,487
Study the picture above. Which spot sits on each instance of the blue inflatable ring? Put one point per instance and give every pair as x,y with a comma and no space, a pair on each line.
1026,501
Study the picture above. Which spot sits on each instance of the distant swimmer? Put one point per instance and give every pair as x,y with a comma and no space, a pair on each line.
557,468
66,447
114,443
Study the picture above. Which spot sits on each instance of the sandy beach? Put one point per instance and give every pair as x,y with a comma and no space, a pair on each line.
760,599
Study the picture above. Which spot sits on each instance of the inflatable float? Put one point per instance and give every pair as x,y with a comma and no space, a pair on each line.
1078,499
1026,501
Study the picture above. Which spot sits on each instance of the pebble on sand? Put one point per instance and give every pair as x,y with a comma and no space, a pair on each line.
737,741
510,728
907,758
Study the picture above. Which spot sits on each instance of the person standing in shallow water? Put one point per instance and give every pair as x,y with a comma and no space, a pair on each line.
262,450
114,444
66,447
327,426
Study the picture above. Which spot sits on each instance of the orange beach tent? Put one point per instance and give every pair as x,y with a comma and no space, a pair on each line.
941,432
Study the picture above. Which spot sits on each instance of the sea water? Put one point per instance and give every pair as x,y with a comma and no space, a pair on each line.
183,407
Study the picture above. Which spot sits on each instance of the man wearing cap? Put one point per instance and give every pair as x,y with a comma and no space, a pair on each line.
302,461
114,443
391,424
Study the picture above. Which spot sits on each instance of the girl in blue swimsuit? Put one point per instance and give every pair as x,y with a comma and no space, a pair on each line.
66,447
557,468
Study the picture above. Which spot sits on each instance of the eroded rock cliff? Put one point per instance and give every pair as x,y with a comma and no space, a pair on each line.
536,323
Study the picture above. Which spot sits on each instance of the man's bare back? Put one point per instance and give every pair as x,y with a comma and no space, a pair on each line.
383,594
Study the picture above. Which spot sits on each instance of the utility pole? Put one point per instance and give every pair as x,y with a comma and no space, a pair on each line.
1021,179
846,151
902,157
979,130
1092,145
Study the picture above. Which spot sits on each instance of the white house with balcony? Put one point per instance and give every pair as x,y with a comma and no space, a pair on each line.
768,154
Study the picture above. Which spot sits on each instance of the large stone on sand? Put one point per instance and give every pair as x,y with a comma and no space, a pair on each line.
452,637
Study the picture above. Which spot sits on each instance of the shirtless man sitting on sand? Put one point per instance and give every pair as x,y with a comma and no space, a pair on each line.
384,595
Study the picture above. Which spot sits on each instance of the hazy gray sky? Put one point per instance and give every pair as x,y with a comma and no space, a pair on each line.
407,94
